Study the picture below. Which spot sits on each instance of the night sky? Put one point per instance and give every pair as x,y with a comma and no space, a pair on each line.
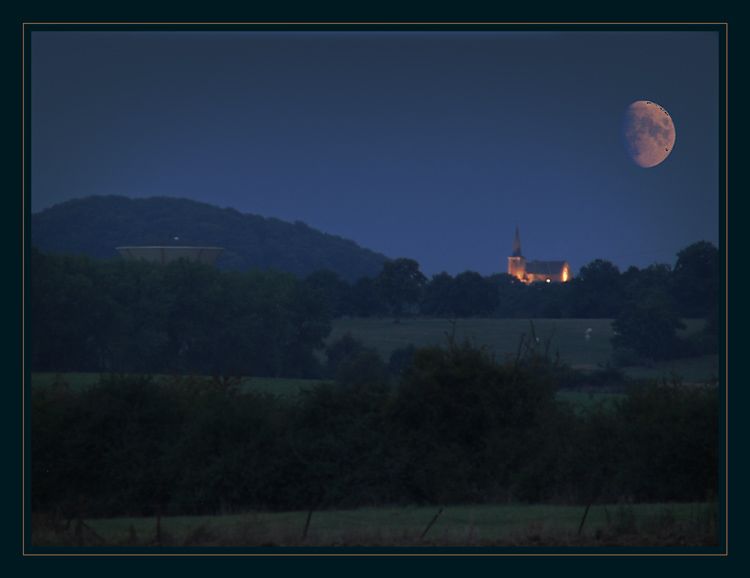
427,145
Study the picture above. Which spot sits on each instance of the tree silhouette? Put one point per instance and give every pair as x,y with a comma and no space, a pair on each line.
400,283
696,279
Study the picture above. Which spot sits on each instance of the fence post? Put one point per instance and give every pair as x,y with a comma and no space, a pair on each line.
79,522
431,523
158,524
307,524
586,513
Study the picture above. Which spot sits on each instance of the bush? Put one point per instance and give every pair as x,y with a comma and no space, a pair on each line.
669,435
365,367
107,444
468,423
401,359
658,443
337,438
458,427
231,453
347,346
351,363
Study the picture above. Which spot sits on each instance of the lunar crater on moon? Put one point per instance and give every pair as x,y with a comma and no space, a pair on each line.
648,133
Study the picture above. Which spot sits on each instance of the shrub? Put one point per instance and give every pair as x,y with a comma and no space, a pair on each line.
364,367
400,359
658,443
469,423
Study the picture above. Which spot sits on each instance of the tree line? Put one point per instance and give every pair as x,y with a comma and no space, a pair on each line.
600,290
455,426
647,305
138,316
118,315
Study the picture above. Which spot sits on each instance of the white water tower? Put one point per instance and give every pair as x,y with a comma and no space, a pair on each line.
167,254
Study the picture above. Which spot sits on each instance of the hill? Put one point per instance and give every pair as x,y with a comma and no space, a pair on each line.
96,225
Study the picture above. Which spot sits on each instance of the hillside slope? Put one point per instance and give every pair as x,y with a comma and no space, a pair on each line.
96,225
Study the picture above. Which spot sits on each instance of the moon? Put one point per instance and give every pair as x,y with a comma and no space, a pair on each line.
647,133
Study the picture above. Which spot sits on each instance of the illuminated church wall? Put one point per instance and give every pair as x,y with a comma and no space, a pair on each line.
545,271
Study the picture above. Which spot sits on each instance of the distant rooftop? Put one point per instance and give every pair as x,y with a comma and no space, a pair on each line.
545,267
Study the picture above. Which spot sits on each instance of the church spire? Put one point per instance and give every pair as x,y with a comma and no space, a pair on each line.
517,245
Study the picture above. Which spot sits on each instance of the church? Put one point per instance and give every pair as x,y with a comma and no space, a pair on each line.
546,271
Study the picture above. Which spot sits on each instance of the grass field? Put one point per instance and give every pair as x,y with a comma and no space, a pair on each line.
286,388
502,337
483,525
277,386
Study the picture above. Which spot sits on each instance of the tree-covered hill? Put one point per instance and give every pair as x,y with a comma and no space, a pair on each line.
96,225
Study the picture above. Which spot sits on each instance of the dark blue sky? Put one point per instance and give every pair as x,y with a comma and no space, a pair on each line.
428,145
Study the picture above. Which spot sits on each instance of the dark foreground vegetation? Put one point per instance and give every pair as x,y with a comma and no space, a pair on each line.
457,427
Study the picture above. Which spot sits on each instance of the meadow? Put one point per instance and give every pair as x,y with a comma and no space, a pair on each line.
280,386
471,526
501,337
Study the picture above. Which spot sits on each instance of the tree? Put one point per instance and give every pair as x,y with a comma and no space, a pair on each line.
648,326
364,300
335,290
513,297
139,316
696,279
190,300
400,283
267,324
467,295
474,295
551,300
597,291
656,278
649,319
138,338
437,299
70,314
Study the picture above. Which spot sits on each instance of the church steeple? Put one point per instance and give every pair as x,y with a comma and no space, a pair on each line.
545,271
517,262
517,245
